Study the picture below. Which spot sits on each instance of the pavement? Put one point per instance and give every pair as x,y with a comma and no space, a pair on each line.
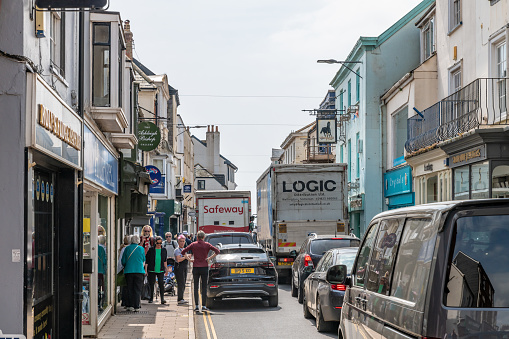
154,321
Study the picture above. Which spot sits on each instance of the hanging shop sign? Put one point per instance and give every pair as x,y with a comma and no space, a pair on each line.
157,180
100,166
57,126
149,136
326,131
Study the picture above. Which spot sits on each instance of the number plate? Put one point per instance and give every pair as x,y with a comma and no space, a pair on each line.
285,263
242,270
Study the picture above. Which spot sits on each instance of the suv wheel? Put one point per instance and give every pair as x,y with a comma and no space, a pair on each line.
321,324
273,301
294,289
300,292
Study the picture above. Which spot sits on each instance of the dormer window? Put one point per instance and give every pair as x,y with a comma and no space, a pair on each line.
428,39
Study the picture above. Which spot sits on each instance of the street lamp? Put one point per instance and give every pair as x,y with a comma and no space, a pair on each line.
332,61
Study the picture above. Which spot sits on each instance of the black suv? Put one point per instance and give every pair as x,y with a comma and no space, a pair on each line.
311,251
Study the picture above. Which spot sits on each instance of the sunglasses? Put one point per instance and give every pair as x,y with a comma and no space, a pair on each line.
159,243
168,236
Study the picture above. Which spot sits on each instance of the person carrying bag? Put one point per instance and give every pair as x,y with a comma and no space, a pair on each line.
156,266
133,260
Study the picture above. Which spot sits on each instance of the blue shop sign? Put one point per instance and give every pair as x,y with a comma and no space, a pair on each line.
100,165
398,181
187,189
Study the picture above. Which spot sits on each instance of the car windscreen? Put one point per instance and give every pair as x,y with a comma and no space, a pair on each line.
256,251
479,263
320,246
346,259
228,239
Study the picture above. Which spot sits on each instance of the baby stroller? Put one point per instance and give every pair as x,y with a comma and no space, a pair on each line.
170,282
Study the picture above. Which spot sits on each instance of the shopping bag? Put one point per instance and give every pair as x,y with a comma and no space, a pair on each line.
145,291
121,278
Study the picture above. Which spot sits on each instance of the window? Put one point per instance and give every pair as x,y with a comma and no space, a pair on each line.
455,80
349,155
358,155
501,74
428,39
324,263
358,86
349,93
479,263
500,182
341,154
399,131
120,71
455,85
341,100
432,189
101,65
319,246
364,251
57,42
384,254
454,14
412,267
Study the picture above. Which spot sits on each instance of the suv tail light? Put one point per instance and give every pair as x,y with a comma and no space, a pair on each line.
268,264
338,287
216,266
308,261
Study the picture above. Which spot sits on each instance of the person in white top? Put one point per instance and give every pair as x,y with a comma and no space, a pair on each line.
170,245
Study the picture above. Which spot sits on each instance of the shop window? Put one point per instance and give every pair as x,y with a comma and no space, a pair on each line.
101,65
500,182
432,189
480,181
102,255
461,183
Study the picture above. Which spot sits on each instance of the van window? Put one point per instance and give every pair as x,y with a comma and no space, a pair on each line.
384,253
479,263
364,251
412,268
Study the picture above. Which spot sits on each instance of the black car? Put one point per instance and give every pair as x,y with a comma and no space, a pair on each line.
323,298
311,251
242,270
225,238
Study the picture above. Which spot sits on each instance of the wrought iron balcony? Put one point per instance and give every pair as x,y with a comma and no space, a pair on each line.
320,154
482,102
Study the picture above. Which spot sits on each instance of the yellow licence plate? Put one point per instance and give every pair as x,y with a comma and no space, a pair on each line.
285,263
242,270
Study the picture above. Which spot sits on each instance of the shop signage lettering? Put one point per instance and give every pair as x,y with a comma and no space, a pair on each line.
222,210
149,136
100,166
466,156
54,125
310,186
41,320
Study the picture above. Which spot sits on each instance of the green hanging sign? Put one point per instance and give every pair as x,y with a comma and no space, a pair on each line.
149,136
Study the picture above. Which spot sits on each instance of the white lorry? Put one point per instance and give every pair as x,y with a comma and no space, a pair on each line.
296,200
220,211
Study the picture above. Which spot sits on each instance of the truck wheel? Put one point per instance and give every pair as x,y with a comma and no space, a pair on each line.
300,293
305,310
321,324
273,301
294,289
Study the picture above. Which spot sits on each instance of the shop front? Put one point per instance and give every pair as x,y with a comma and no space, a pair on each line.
52,229
172,210
356,211
100,189
480,165
398,188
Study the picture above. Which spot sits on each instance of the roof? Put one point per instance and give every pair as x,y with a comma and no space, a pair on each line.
226,161
143,67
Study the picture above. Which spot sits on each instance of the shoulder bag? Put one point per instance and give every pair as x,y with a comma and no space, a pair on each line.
120,275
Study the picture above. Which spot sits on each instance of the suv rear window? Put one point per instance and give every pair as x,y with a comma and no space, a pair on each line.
241,250
228,239
479,263
320,246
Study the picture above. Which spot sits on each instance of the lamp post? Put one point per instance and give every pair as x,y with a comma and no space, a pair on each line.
333,61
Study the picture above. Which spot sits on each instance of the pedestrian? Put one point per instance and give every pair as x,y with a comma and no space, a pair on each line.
147,240
200,250
156,266
170,245
181,264
188,241
101,270
120,267
133,260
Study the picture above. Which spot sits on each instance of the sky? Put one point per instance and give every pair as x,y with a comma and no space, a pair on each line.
249,66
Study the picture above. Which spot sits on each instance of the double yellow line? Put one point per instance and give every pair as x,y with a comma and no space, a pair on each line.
205,317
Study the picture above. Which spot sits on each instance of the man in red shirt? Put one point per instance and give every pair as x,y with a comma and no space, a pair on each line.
200,251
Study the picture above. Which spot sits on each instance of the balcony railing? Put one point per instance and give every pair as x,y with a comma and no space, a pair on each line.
323,153
482,102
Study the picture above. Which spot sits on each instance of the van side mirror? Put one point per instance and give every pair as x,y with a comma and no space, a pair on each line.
337,274
293,254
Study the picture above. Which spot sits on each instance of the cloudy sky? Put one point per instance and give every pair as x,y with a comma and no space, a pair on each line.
249,66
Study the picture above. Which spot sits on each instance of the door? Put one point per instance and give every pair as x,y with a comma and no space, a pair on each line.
314,280
354,319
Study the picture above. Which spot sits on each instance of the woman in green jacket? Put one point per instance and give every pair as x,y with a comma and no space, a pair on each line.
133,260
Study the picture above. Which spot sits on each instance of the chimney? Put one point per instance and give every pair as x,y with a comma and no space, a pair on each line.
213,149
128,39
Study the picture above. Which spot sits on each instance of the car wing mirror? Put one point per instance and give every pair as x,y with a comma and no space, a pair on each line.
337,274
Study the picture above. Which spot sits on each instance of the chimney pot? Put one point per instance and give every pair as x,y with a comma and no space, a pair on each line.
208,128
217,129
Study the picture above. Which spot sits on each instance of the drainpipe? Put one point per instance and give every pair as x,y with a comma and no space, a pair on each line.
382,167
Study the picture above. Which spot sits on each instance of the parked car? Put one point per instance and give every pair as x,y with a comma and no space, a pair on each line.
311,251
242,270
229,238
431,271
323,298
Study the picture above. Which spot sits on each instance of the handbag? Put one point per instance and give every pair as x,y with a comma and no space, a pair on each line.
121,281
145,291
